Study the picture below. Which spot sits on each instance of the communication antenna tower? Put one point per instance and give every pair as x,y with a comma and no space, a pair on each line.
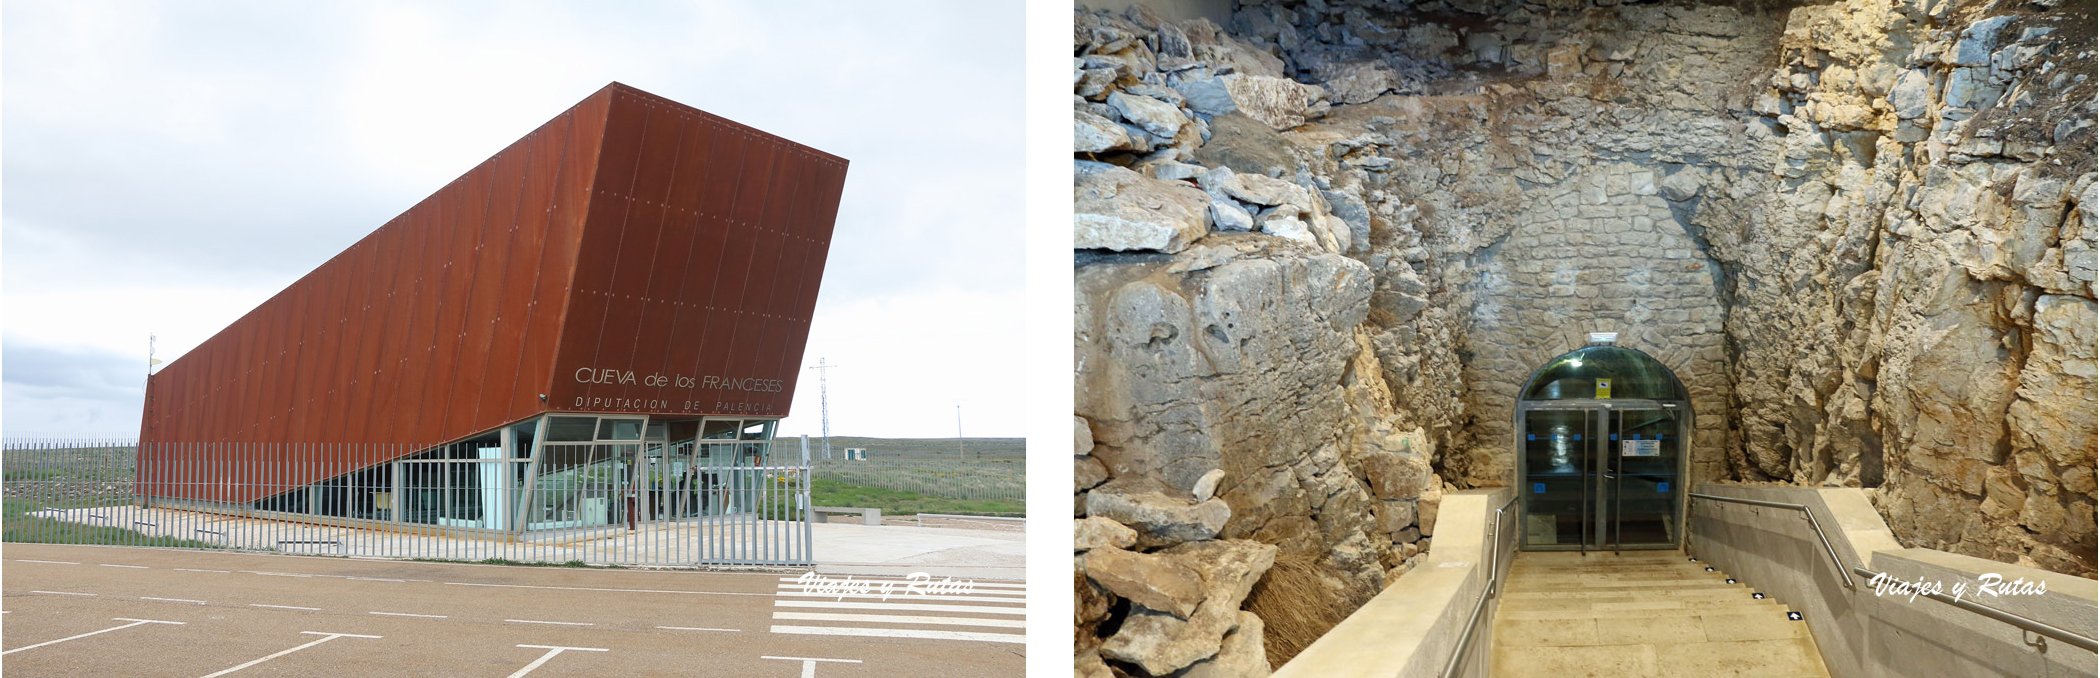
824,402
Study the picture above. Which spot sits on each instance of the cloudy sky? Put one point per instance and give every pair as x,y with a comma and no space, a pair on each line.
168,166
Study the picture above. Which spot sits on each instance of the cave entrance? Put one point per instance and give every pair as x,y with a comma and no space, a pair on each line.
1601,451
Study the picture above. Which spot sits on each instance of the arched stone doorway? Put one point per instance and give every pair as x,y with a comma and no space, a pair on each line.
1601,451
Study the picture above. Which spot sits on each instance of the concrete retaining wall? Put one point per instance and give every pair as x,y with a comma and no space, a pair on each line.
1411,628
1864,634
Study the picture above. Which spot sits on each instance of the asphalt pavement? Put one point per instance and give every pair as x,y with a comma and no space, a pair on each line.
115,611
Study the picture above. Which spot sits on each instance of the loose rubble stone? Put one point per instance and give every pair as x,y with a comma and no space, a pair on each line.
1159,519
1096,532
1117,209
1158,582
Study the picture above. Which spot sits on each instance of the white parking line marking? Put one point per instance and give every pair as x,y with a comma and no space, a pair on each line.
559,623
900,595
787,589
809,664
325,637
63,593
128,567
376,579
185,569
902,633
829,580
551,651
46,562
172,600
285,607
582,588
899,619
410,614
900,607
697,628
134,622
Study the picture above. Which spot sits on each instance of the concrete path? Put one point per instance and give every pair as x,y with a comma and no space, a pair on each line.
1643,613
91,610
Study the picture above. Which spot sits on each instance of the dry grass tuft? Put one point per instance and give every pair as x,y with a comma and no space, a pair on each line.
1296,605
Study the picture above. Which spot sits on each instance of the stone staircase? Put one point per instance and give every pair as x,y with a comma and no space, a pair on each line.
1641,613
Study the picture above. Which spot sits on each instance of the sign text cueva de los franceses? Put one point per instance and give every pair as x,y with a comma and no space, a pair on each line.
724,400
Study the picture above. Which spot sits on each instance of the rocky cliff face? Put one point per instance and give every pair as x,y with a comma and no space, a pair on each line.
1322,248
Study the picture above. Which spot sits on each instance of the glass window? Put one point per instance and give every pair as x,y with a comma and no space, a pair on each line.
619,429
521,436
758,430
720,429
1633,375
571,429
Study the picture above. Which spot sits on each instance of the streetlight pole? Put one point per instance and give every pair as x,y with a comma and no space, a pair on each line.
958,433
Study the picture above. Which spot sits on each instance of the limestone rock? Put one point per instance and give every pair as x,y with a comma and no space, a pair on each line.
1682,186
1289,227
1088,664
1240,654
1087,472
1117,209
1095,134
1207,486
1159,519
1228,215
1280,103
1162,643
1358,82
1245,145
1158,582
1096,532
1156,117
1082,436
1259,189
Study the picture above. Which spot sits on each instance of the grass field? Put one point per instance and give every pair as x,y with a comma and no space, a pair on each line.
20,526
830,492
921,448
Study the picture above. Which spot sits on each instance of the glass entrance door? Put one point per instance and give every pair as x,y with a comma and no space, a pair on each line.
1600,477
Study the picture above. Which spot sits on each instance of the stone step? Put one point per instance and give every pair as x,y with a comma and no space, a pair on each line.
1516,585
1565,610
1656,627
1784,658
1641,614
1722,592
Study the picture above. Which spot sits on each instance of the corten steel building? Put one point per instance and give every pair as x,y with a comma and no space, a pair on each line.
579,331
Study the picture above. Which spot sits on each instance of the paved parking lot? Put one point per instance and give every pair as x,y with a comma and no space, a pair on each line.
84,610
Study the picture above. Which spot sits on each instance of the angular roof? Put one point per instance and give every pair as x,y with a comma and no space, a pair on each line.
632,255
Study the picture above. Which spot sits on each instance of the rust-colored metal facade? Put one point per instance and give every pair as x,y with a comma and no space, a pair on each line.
632,255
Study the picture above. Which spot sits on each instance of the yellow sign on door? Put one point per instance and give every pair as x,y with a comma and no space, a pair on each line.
1604,389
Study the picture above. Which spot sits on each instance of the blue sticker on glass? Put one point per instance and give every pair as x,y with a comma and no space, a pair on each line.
1662,487
1578,436
1538,488
1636,436
1614,436
1531,436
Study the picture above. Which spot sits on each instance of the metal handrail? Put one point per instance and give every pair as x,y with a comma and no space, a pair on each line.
2044,628
2088,643
1844,576
1465,638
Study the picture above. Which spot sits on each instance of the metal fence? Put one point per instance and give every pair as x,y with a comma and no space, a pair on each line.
630,503
1000,479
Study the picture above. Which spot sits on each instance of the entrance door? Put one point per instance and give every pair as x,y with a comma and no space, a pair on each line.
1598,476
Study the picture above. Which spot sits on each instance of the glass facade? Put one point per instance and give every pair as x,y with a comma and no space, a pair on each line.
558,471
